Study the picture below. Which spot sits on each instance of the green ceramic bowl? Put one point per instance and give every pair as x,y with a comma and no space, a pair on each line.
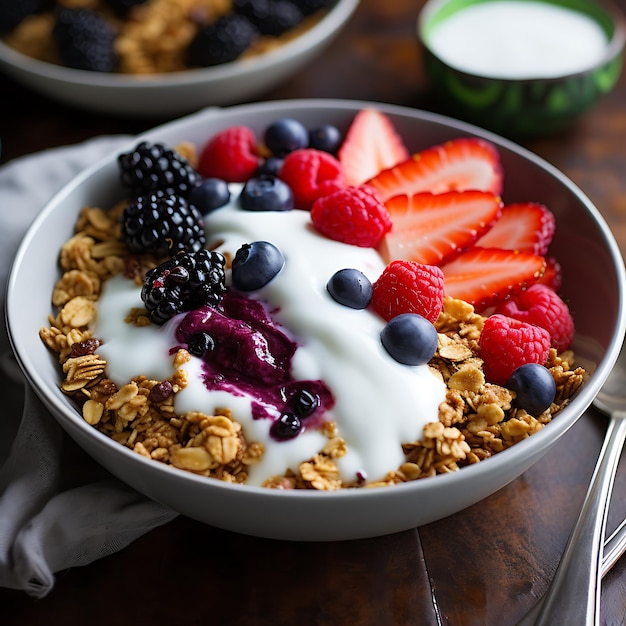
520,104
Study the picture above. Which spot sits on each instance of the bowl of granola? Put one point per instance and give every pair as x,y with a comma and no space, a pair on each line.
163,57
323,329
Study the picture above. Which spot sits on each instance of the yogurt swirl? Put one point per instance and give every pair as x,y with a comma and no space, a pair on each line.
378,402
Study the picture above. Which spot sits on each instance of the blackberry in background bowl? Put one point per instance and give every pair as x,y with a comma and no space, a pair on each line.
164,84
85,40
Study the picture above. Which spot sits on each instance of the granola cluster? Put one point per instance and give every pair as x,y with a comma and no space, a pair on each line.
152,39
477,419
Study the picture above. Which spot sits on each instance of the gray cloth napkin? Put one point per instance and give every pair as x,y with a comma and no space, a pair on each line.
58,508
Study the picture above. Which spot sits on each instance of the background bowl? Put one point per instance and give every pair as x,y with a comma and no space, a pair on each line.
581,235
176,93
528,106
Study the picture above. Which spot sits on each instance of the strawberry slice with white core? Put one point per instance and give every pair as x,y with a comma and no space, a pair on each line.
528,226
459,164
371,145
486,276
433,228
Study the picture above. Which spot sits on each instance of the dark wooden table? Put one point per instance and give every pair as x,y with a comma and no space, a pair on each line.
484,566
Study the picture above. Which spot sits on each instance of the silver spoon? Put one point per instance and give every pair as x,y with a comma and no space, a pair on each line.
614,547
574,595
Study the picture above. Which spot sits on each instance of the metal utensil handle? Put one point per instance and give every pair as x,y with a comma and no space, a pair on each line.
573,597
614,547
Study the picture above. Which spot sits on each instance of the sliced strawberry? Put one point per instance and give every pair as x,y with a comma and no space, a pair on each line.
486,276
371,145
464,163
553,276
526,226
433,228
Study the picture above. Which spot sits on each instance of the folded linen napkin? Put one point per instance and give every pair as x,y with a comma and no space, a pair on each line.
58,508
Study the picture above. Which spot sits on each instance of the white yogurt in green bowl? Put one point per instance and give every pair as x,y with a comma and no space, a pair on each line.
521,67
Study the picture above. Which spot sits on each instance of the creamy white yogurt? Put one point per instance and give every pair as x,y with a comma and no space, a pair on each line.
379,403
518,39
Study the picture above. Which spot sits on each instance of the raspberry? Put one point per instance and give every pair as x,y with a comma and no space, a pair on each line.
541,306
230,155
352,216
311,174
506,344
408,287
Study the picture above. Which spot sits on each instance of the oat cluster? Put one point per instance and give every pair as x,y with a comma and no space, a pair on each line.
152,39
477,419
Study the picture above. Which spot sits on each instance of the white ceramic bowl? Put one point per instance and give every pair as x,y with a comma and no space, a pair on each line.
180,92
595,292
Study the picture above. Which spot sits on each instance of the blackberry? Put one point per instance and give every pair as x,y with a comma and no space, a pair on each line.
150,167
85,40
311,6
13,12
185,282
222,41
162,224
254,10
271,17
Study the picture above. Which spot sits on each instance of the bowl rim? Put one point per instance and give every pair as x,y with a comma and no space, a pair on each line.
614,48
48,391
335,18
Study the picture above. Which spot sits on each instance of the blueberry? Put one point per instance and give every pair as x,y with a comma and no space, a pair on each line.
351,288
326,138
200,343
211,194
255,264
287,426
410,339
271,165
285,135
534,386
266,193
305,403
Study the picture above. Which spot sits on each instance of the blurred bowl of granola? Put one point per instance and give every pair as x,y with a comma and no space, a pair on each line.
163,57
310,471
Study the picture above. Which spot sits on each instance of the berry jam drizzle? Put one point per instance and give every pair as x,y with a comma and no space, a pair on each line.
252,357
